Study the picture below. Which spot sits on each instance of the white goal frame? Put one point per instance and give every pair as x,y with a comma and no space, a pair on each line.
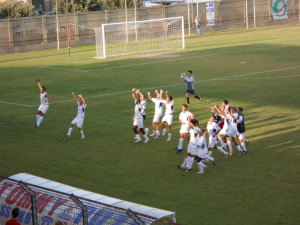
115,39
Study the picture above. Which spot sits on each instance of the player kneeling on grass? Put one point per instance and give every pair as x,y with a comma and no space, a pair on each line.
168,117
44,97
138,120
80,115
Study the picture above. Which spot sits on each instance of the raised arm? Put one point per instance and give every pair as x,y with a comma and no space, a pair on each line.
133,94
83,101
220,112
75,97
39,84
149,95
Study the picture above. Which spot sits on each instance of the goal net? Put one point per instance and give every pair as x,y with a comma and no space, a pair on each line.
115,39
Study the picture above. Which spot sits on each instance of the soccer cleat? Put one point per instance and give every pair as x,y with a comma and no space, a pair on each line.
200,172
157,136
230,153
138,140
188,170
152,135
67,135
177,149
82,138
146,140
244,152
214,162
164,132
247,142
169,139
135,138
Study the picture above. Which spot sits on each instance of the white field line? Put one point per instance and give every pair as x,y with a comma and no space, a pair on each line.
234,77
160,61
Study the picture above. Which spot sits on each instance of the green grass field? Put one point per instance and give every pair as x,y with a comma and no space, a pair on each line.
256,69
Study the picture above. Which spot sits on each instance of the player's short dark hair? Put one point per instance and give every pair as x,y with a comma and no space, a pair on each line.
225,101
195,121
241,109
171,97
44,88
190,71
185,105
15,212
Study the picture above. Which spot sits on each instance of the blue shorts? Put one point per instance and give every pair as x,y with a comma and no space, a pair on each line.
192,92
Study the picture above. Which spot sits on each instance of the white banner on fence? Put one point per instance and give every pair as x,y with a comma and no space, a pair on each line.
279,9
210,14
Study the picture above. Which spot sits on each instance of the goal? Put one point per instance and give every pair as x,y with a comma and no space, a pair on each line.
115,39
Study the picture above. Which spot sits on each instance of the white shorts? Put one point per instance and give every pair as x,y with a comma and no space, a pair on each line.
192,149
43,108
212,142
138,122
78,122
184,129
222,132
156,117
241,136
231,133
201,153
168,118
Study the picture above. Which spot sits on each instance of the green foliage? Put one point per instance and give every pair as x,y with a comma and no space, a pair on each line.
72,6
15,9
120,4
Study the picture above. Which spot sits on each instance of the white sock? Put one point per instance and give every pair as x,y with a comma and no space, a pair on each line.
209,158
190,161
229,144
82,134
138,136
221,141
183,165
169,134
165,130
222,150
157,132
39,120
239,148
244,146
180,143
70,131
201,166
209,153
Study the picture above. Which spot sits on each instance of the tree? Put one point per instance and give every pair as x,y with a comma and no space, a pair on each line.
15,9
71,6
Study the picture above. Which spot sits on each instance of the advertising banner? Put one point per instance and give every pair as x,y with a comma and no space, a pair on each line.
210,14
279,9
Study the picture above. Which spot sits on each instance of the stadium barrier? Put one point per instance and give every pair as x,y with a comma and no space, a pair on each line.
46,32
42,201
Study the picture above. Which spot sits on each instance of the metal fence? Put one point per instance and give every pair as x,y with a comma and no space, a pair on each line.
43,32
39,205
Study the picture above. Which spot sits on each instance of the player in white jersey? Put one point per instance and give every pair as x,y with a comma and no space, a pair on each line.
184,118
168,117
157,113
213,129
230,122
190,89
43,108
192,148
78,120
138,120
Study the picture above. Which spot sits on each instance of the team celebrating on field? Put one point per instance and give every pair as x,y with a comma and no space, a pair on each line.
226,124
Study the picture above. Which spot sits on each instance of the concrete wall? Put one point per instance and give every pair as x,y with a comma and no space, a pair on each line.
37,33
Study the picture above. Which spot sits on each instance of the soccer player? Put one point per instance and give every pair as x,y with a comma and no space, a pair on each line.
230,122
202,152
190,89
241,129
44,97
184,118
213,129
168,117
138,120
158,112
78,120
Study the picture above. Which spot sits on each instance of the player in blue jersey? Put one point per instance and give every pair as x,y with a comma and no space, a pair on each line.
190,89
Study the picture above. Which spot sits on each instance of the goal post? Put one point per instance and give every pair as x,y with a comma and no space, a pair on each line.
115,39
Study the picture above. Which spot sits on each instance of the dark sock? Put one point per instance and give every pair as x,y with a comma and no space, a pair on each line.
188,100
196,96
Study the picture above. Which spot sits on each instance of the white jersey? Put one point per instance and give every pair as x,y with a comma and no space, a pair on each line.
138,111
231,123
143,107
212,128
158,105
44,98
194,136
184,117
81,110
169,107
